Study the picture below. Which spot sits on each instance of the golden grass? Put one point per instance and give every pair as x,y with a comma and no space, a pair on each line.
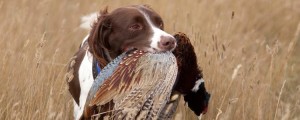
248,50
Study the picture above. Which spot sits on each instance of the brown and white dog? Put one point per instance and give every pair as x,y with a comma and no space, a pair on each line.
125,28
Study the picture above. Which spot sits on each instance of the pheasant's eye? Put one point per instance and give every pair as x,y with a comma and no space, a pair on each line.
135,27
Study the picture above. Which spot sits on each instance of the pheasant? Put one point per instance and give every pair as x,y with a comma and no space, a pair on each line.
143,85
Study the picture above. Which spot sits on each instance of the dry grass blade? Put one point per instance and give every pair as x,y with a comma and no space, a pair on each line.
279,99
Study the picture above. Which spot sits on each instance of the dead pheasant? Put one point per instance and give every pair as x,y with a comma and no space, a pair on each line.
138,85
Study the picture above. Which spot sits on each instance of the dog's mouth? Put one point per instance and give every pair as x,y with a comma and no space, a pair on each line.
152,47
153,50
146,49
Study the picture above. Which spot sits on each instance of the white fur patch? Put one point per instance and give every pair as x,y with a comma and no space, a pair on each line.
86,80
76,110
197,85
87,20
157,33
85,39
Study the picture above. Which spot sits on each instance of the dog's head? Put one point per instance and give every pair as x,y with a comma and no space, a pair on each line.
129,27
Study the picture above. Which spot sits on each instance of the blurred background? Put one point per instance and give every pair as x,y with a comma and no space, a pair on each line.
249,52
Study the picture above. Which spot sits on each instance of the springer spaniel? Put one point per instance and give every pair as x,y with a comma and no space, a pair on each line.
137,26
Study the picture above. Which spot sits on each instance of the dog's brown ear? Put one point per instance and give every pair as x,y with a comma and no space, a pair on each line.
98,37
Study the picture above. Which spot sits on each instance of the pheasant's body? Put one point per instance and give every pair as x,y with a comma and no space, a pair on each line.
138,83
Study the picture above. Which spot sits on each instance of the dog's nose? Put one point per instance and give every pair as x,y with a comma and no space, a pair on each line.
167,43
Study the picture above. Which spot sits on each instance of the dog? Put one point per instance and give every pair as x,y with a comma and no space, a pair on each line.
131,27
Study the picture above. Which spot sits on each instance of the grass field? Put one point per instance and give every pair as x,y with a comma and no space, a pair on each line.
249,51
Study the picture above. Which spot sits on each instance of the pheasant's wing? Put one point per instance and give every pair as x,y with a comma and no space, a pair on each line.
140,86
118,81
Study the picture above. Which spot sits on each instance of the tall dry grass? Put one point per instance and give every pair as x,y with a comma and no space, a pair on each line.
248,50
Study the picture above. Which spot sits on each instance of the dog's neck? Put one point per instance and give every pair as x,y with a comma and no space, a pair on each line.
108,56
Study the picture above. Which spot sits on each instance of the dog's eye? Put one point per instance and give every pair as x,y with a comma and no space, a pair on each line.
135,27
159,22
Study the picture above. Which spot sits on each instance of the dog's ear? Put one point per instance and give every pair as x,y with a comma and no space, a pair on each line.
98,37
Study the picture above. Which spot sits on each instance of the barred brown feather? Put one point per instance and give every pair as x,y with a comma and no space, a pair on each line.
140,87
